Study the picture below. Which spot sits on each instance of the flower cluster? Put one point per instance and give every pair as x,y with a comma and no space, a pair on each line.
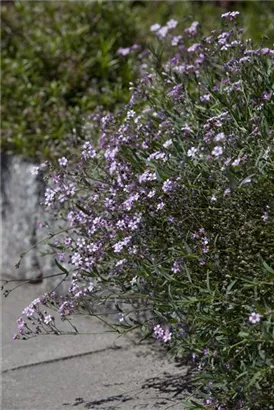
162,334
175,204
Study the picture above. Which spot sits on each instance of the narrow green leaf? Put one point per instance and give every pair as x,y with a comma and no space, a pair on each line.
268,268
61,267
188,273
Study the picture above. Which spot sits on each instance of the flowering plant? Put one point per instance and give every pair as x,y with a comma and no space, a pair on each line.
174,207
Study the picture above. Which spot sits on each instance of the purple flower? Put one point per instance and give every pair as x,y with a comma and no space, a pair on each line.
176,267
67,241
162,334
61,256
192,30
168,186
123,51
40,224
66,308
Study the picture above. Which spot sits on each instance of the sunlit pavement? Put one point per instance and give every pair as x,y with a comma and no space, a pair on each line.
94,371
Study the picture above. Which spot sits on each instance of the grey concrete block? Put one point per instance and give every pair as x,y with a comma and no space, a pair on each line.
21,207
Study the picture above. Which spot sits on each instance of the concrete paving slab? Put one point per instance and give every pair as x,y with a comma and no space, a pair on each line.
95,371
130,378
48,347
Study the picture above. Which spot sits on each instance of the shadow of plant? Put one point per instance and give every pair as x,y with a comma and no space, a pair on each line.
119,398
162,392
172,384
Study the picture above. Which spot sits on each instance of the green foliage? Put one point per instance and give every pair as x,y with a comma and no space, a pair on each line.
184,185
59,62
175,206
256,16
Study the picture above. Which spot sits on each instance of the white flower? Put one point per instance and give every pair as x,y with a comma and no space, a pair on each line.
236,162
167,336
91,286
193,48
133,280
155,27
63,161
175,40
76,259
265,216
48,319
123,51
151,193
230,15
168,186
167,143
172,23
254,318
219,137
192,152
121,317
35,170
160,206
162,32
217,151
205,98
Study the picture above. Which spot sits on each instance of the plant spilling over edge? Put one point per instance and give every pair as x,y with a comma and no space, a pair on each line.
174,207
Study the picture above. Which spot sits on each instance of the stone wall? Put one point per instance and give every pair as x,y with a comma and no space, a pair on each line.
21,210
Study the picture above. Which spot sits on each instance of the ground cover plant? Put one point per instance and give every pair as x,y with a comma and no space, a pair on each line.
174,206
256,17
59,62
